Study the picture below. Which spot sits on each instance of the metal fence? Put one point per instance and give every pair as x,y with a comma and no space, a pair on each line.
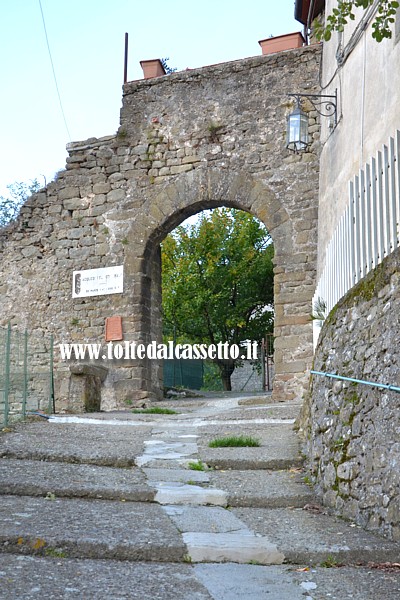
184,373
26,374
368,231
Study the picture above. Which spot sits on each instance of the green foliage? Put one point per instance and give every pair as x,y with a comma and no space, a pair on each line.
330,563
235,441
167,68
55,553
155,410
211,377
197,466
217,282
10,205
336,21
50,496
319,310
214,129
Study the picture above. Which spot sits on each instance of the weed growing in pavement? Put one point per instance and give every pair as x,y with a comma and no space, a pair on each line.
330,563
234,442
197,466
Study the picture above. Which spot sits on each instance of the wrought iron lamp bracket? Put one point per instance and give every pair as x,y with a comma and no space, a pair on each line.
325,105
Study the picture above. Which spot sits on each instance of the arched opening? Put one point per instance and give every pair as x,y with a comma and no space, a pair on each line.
152,283
190,194
217,293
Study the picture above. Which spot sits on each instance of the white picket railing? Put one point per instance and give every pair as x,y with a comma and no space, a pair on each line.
368,231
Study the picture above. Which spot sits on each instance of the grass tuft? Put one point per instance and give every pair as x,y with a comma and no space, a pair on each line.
233,441
330,563
197,466
155,410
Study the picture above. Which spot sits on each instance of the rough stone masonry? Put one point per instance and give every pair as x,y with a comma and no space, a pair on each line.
188,141
353,430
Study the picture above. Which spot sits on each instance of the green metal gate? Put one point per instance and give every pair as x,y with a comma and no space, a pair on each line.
26,374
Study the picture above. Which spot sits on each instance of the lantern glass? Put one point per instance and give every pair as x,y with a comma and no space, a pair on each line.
297,130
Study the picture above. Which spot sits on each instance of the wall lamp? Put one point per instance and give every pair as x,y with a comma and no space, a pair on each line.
297,121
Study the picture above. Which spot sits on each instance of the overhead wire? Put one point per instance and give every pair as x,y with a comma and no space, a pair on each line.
54,71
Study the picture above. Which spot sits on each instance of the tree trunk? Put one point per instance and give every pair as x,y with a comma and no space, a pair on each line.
226,368
226,382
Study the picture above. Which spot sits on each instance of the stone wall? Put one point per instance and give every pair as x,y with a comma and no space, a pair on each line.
353,430
187,141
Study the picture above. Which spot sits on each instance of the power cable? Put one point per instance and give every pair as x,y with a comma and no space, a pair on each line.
54,72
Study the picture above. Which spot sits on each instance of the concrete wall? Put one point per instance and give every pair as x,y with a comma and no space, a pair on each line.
353,430
188,141
367,78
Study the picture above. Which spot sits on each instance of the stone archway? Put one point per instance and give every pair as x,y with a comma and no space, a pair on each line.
191,140
166,209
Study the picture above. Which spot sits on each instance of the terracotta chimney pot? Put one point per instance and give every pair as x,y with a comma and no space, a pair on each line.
289,41
152,68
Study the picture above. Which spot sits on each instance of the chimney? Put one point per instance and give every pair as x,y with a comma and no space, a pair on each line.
289,41
152,68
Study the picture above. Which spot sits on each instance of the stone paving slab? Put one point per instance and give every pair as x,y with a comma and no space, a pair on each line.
251,582
237,547
186,434
30,578
174,492
37,478
309,538
76,443
182,475
131,531
264,489
166,450
210,519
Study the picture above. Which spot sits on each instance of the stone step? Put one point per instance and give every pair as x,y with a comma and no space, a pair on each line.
131,531
104,445
231,547
165,486
264,489
303,537
279,448
219,458
25,577
308,537
39,478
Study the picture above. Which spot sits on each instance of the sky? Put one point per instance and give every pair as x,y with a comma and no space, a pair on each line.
86,39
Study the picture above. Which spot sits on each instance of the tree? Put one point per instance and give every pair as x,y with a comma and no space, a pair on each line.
11,205
217,282
336,21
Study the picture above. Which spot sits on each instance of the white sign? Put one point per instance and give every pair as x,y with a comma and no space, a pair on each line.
98,282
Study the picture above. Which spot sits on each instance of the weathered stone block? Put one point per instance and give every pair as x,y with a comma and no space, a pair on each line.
68,192
181,169
75,203
116,195
101,188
